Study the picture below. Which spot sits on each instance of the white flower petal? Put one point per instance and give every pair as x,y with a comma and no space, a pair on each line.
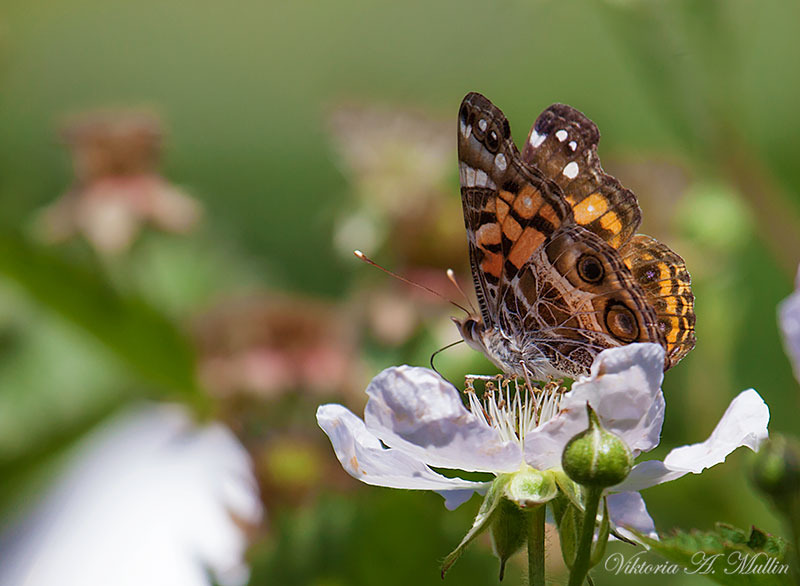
647,474
364,458
627,509
148,499
455,498
417,411
789,318
624,389
743,424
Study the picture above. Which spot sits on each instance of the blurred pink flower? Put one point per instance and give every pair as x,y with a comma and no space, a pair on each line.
117,187
269,345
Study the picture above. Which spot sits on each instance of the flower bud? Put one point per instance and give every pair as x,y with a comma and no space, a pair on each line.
596,457
777,467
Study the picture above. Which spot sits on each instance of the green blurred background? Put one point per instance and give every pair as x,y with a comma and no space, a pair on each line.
697,104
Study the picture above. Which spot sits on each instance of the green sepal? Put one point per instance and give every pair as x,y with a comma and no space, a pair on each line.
571,490
559,506
509,531
568,533
482,520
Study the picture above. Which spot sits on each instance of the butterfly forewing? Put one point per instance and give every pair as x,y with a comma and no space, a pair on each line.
563,145
509,208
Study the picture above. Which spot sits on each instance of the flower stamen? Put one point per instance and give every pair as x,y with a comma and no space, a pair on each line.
513,405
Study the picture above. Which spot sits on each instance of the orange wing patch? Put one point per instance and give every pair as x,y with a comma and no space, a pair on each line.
511,228
589,209
492,264
501,209
487,235
506,196
549,214
611,223
525,246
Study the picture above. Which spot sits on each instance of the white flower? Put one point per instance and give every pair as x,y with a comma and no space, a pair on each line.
150,499
415,421
789,318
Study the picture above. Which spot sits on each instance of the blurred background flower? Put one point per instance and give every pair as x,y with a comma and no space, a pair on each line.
148,499
272,344
117,187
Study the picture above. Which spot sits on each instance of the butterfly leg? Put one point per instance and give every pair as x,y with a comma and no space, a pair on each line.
526,374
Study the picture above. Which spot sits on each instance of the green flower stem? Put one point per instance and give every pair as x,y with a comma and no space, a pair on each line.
536,546
584,553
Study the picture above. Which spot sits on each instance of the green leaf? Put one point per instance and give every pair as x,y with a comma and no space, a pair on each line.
138,334
727,555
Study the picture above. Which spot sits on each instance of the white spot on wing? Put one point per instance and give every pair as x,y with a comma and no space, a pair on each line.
481,178
482,124
573,145
500,161
571,170
462,127
561,135
536,139
470,177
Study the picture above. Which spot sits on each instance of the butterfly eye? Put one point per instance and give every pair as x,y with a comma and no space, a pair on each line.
492,141
590,269
621,322
470,329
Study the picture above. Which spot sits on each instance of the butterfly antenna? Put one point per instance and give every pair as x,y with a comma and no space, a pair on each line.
451,276
368,260
442,350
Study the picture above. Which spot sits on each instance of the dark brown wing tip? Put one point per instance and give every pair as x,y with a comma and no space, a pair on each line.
476,105
477,101
558,116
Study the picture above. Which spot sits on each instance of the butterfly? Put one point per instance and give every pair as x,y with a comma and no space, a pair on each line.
559,271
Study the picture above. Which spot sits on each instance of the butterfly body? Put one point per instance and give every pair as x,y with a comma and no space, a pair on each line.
558,272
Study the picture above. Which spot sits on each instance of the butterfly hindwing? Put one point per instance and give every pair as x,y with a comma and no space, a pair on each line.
662,275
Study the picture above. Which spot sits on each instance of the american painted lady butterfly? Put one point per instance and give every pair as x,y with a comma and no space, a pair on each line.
559,272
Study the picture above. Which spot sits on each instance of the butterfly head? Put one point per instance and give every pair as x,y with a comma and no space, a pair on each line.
471,328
